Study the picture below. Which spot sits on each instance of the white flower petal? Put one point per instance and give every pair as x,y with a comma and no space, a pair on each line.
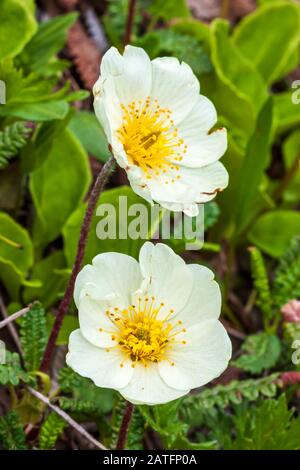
201,118
139,183
203,358
190,209
112,64
107,106
202,149
97,364
111,275
174,86
204,302
147,387
207,181
166,276
95,325
131,73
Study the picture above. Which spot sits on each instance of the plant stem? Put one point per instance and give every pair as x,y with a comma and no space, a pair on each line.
129,22
80,429
98,187
125,426
13,317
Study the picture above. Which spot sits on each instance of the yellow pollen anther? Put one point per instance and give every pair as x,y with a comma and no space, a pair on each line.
144,333
149,137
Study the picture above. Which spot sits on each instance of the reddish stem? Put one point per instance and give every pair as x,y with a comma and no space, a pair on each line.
129,23
98,187
125,426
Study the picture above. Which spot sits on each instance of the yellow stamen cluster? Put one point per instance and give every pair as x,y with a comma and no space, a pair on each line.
141,335
150,138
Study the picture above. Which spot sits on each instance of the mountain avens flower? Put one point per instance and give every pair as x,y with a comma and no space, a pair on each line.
159,128
148,329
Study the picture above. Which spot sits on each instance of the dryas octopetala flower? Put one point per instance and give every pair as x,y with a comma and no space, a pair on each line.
158,126
150,329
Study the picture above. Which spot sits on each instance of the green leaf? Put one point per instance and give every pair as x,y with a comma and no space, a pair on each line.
86,397
12,436
11,373
47,42
69,324
135,436
253,166
269,52
39,111
164,420
52,280
238,91
168,9
58,187
273,231
194,28
37,150
285,111
89,132
166,42
223,395
12,139
17,27
185,444
291,153
115,217
269,426
261,283
16,253
261,351
33,335
50,431
286,285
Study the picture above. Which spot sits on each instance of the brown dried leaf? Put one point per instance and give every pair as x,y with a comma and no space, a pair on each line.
85,54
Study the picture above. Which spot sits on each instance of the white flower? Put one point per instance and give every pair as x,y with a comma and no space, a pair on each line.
150,329
158,126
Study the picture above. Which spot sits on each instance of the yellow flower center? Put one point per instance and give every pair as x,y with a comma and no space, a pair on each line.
150,138
141,335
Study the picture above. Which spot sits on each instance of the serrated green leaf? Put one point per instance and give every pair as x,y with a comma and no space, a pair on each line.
50,431
33,335
269,426
11,372
12,436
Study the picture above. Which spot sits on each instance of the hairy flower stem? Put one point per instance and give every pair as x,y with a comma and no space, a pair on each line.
98,187
125,426
129,22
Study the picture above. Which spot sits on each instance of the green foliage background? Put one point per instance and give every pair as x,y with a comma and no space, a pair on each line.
48,133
